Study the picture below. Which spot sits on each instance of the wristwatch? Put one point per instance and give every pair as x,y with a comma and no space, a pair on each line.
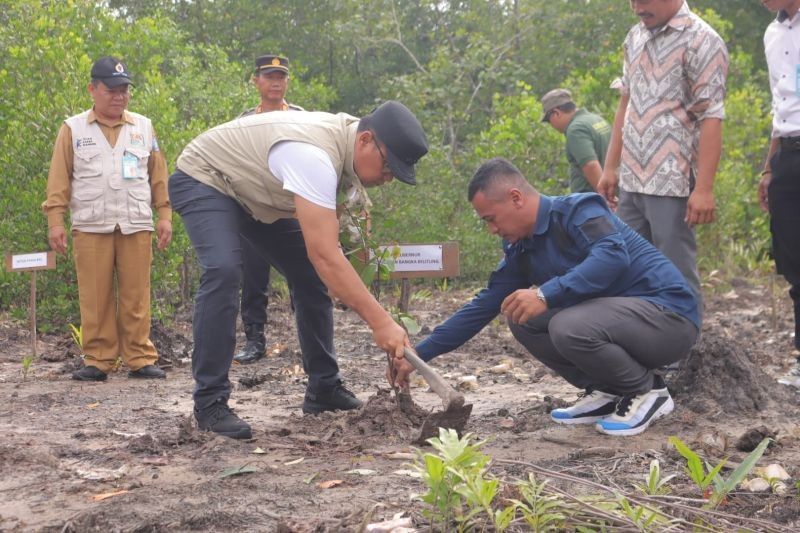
540,295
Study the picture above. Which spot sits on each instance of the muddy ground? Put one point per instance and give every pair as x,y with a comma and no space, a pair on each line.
123,455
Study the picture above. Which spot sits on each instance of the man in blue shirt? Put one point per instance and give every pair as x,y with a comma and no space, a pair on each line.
608,307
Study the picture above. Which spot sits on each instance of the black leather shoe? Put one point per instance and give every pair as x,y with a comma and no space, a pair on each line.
148,372
337,398
219,418
252,352
89,373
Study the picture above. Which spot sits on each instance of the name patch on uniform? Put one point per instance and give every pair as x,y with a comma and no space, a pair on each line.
85,141
137,139
597,228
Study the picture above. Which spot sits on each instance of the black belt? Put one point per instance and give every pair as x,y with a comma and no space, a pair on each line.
790,144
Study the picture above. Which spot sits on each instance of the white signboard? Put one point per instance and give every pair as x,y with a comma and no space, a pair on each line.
28,260
418,257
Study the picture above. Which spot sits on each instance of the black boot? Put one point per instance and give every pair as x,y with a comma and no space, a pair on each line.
338,398
256,346
219,418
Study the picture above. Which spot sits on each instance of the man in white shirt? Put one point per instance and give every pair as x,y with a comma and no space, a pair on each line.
272,179
779,189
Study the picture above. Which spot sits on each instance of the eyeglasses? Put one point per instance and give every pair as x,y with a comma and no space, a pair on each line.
548,115
386,167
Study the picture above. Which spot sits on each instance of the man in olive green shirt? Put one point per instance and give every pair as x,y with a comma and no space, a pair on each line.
587,138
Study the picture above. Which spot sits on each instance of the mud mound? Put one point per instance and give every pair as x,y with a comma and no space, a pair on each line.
720,374
172,347
382,420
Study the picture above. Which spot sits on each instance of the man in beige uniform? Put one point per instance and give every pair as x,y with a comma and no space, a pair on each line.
108,171
274,179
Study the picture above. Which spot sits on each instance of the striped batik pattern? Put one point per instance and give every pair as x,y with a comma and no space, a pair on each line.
675,76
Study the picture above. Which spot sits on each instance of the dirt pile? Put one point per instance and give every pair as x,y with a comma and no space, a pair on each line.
383,420
722,375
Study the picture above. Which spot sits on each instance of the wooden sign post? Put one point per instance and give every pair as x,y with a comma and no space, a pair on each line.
438,260
31,262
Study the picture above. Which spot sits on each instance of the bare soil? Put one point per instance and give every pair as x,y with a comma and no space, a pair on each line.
124,455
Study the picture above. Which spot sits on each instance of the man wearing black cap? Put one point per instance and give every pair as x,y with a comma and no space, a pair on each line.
273,179
108,171
271,78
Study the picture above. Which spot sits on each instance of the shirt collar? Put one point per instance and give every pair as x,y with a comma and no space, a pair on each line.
284,107
678,22
783,16
542,222
126,117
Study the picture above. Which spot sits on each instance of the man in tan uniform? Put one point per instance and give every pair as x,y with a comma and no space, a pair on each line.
108,171
274,180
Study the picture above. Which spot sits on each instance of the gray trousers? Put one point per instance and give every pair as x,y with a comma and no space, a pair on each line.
610,344
660,220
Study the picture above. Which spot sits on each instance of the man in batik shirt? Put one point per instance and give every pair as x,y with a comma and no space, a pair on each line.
667,134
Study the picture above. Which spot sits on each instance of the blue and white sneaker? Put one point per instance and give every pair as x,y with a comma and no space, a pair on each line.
591,406
635,412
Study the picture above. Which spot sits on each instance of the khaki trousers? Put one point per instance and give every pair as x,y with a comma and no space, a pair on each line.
114,326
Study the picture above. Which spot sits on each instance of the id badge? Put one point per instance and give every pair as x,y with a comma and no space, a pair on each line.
130,166
797,80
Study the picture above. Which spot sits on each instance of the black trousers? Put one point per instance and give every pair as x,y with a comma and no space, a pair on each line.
217,225
255,285
784,210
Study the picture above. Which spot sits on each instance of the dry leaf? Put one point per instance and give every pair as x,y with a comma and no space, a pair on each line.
407,473
330,483
158,461
106,495
258,450
403,456
93,405
361,472
295,462
238,471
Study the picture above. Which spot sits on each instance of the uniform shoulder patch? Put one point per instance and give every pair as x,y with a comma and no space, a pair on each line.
596,228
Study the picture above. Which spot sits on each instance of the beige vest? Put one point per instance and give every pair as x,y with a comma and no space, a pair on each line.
232,157
102,198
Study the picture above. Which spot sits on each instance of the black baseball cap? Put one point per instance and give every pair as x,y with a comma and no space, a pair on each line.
272,63
399,130
111,71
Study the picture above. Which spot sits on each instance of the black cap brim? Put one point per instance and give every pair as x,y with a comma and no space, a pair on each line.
116,81
400,169
267,70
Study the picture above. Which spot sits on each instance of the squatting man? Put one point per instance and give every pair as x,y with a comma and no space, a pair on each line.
583,293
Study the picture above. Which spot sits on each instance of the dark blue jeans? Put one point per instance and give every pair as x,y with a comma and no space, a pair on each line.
216,225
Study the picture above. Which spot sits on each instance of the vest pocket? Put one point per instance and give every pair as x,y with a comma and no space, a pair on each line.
142,157
87,164
139,210
87,206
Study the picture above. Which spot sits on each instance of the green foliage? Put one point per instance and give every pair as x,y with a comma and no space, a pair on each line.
77,336
27,362
473,71
703,474
457,488
655,485
540,511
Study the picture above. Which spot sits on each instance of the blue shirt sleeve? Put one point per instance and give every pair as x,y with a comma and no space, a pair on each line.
473,317
591,227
